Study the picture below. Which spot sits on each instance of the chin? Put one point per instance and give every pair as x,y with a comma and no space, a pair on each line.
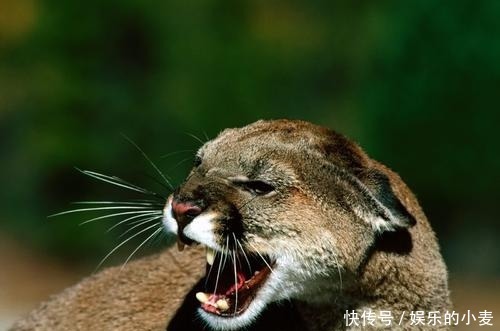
244,319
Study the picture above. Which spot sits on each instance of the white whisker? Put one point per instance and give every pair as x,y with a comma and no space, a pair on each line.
339,272
111,215
196,138
113,180
133,217
138,247
223,262
235,282
210,270
218,274
179,163
97,208
161,236
118,182
176,152
150,162
141,222
123,203
123,243
244,254
226,253
263,259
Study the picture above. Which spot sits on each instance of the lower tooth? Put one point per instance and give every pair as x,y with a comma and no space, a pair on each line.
202,297
222,305
180,245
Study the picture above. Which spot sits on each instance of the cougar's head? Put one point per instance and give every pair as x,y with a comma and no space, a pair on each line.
285,210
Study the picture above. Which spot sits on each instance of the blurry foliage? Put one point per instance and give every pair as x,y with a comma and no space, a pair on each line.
415,82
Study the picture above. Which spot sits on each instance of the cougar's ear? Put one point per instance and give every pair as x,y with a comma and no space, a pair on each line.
378,204
369,193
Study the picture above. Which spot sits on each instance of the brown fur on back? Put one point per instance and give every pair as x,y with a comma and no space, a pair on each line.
143,296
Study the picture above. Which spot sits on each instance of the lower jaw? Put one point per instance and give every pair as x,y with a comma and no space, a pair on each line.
235,303
233,298
226,322
233,311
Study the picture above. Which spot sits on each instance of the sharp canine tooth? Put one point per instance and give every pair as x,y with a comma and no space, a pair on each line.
180,245
202,297
222,305
210,256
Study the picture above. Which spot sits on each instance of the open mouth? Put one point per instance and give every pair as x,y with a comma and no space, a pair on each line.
232,281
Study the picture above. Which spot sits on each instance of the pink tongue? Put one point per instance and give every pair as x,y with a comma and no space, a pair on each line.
216,296
210,307
238,285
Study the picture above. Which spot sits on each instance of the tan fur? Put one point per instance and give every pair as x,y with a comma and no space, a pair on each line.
142,296
346,233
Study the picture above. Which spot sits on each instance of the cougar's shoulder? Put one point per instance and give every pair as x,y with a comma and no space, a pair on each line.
143,295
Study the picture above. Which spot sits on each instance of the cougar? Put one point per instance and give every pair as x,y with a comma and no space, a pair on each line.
290,226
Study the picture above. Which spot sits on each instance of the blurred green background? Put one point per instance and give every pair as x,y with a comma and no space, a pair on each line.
416,83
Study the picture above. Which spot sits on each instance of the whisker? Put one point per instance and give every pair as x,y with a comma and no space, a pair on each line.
244,254
196,138
189,176
111,215
96,209
148,200
131,218
240,208
120,182
218,273
176,152
210,270
123,243
339,272
179,163
138,247
150,162
235,282
161,236
113,179
157,238
236,250
263,259
159,182
226,253
140,222
223,262
124,203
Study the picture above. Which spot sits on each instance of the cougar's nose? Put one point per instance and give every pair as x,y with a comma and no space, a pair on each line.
184,211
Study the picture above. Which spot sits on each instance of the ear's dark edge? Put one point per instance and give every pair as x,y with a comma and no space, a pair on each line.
379,185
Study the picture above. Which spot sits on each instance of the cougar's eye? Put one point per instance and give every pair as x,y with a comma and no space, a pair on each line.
196,161
257,187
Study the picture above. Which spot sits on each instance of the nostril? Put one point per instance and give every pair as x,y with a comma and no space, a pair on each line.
185,209
193,211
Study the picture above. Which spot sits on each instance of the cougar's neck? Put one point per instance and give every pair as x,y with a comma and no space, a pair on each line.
403,273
